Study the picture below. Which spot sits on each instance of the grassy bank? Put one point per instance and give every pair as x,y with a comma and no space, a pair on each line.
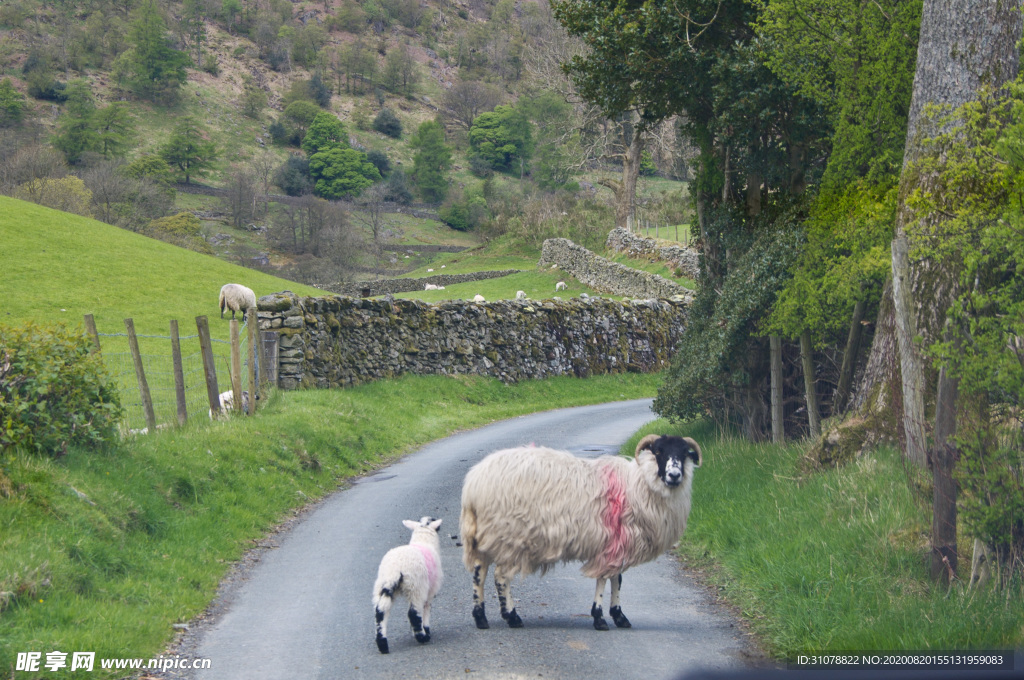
830,561
104,552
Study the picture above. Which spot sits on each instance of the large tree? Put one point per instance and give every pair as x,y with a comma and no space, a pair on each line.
156,69
431,162
189,149
965,46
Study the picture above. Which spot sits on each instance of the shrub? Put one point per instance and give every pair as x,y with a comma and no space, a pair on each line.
379,159
182,230
397,188
54,393
387,123
293,176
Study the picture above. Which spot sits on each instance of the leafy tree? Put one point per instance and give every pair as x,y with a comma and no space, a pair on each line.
467,99
156,69
503,138
431,161
76,133
340,172
12,104
397,187
325,132
115,129
319,91
300,116
293,176
380,161
68,194
387,123
400,74
189,149
254,99
151,167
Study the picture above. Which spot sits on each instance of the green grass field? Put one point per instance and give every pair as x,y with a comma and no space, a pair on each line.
106,551
829,561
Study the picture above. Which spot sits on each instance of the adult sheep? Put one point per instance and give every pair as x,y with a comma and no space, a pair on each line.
526,509
237,298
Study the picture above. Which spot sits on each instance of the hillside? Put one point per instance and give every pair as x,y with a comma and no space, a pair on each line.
58,267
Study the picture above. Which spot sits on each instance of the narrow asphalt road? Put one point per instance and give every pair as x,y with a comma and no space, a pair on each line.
303,610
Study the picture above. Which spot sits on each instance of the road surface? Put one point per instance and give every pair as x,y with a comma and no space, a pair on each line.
303,609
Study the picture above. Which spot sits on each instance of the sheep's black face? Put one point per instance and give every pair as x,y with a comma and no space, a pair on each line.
671,454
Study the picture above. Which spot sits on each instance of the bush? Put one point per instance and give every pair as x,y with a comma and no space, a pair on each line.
397,188
183,230
379,159
54,393
387,123
293,176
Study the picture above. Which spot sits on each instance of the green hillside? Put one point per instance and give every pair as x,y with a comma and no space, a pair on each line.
58,267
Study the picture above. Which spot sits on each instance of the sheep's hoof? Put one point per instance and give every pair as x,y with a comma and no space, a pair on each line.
423,637
619,618
512,619
480,617
382,644
598,614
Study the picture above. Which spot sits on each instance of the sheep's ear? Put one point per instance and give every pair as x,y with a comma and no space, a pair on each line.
435,525
646,443
696,447
410,524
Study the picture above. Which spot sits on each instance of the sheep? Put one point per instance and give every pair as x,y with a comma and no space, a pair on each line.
479,298
526,509
560,285
227,401
237,298
412,570
430,270
520,294
430,286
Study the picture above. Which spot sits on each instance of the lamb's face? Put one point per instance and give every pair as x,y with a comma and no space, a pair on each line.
677,457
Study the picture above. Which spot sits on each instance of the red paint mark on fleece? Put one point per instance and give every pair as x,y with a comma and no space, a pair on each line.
617,547
428,559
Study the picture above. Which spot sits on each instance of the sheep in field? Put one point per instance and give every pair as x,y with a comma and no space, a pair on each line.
237,298
520,294
526,509
412,570
560,285
479,298
430,286
227,401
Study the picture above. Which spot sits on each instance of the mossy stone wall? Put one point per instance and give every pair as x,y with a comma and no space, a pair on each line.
337,341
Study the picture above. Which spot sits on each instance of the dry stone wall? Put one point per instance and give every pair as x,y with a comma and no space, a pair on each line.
385,286
602,274
337,341
686,259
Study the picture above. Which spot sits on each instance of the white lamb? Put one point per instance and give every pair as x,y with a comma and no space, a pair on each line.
237,298
430,286
479,298
227,401
560,285
527,509
412,570
520,294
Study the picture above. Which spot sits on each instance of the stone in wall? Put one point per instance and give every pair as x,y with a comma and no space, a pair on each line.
678,257
604,275
338,341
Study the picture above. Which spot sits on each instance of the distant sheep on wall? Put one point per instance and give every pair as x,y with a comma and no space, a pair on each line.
237,298
610,513
479,298
520,294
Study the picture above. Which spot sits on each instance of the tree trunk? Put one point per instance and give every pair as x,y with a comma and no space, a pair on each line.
754,181
810,383
911,362
778,426
626,204
850,358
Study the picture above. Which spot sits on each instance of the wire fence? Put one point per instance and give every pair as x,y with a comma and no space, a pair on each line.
157,359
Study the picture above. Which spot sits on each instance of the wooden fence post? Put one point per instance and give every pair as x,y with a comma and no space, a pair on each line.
179,374
209,367
236,369
778,425
140,375
90,328
250,325
269,348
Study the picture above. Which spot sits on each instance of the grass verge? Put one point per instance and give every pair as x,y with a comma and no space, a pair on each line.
830,561
104,552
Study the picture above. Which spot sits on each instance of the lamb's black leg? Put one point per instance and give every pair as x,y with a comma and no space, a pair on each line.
504,588
598,613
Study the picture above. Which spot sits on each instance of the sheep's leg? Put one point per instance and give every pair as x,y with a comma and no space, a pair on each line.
616,611
381,612
416,619
479,578
596,609
503,585
426,620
